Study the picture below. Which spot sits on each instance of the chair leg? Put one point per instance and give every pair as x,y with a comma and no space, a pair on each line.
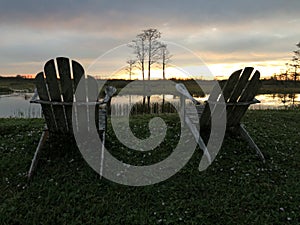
35,158
198,138
250,141
102,155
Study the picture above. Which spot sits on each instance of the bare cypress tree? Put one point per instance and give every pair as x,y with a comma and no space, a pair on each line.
296,63
165,57
147,47
153,46
130,67
138,44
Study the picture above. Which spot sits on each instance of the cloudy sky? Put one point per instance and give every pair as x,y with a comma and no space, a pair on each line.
225,35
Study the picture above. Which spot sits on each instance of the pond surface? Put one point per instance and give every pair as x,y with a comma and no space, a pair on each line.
17,105
277,101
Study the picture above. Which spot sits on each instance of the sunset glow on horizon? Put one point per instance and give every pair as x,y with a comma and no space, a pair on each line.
217,71
222,36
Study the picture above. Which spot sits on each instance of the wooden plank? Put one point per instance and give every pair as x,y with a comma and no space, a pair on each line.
251,89
182,109
102,121
78,73
182,90
63,65
226,91
35,158
206,115
198,138
247,96
250,141
43,95
237,91
242,82
230,84
92,94
109,92
81,116
54,93
81,111
192,113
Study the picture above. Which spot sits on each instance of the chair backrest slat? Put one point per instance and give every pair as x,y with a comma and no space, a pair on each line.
226,91
230,84
55,95
213,97
64,71
44,95
78,72
236,93
238,88
248,95
251,89
241,84
63,66
80,86
92,94
63,83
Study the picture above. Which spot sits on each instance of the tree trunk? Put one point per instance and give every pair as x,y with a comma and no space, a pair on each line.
164,65
149,60
143,71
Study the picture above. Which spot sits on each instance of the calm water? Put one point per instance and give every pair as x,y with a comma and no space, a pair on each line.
17,104
277,101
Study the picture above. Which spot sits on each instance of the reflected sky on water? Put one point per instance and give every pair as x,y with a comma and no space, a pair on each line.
17,105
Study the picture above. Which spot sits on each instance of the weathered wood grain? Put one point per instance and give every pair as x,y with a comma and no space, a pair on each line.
63,65
44,95
55,95
209,107
238,93
247,96
92,95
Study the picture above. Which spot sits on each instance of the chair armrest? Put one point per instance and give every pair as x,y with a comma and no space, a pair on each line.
255,101
183,91
67,103
34,97
109,92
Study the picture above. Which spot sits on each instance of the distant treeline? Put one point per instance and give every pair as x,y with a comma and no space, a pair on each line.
11,84
269,86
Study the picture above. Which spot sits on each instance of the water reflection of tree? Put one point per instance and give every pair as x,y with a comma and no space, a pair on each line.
146,106
288,99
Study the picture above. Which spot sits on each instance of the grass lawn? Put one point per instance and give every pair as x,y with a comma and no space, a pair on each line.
236,189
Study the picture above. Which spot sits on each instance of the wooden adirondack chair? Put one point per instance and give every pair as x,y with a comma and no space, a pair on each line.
56,89
239,93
